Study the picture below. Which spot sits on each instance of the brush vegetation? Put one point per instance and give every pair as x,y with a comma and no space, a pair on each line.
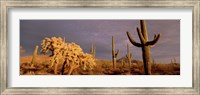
103,67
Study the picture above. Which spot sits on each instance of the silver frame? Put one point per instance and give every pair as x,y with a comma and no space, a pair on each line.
6,4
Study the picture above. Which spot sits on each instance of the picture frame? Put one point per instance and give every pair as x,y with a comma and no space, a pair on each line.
8,4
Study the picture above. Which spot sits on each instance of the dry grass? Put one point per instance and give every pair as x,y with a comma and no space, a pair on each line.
166,69
103,67
27,59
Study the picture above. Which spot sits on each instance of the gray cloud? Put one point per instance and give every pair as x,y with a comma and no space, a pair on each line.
99,32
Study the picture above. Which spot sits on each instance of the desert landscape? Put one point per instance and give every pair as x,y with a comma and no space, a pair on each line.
57,56
103,67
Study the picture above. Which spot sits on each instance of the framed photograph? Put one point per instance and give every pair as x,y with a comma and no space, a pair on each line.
100,47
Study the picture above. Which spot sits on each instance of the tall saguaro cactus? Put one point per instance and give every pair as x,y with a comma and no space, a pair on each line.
114,54
34,56
129,55
93,50
145,45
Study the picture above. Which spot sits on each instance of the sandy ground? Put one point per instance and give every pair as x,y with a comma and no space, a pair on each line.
104,67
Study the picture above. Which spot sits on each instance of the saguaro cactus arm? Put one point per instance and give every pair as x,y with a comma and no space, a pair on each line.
127,56
131,55
132,40
154,41
144,29
143,41
117,53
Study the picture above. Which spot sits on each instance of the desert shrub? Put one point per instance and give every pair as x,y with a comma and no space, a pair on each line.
166,69
104,63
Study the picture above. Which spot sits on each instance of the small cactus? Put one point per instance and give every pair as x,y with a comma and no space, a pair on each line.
153,62
171,61
129,55
145,45
64,39
123,63
174,60
114,54
93,50
33,62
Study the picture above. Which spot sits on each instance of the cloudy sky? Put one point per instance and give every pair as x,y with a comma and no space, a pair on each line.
86,32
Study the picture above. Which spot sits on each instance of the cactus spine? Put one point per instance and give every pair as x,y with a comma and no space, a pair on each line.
145,45
114,54
129,55
93,50
34,56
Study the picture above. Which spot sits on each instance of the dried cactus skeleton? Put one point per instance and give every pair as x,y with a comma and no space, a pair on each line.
71,53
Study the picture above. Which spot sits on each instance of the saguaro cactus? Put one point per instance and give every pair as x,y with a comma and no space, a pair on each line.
114,54
93,50
34,56
174,60
64,39
129,55
123,63
153,61
171,61
145,45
